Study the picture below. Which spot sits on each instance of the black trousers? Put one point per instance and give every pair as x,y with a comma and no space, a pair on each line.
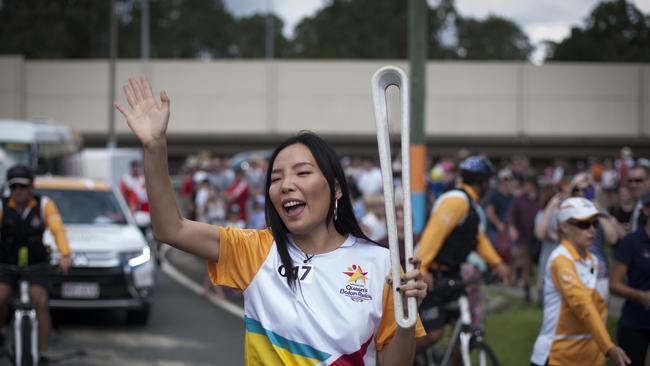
634,342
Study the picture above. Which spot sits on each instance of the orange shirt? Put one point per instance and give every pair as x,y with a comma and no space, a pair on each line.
449,211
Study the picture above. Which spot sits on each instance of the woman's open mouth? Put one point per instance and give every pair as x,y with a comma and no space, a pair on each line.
293,208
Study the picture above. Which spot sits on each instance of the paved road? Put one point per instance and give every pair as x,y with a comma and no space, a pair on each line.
184,329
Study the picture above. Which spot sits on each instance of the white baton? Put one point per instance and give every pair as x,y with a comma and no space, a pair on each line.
383,78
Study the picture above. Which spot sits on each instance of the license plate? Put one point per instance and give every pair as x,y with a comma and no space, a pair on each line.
80,290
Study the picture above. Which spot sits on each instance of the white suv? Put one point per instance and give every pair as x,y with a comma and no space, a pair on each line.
112,264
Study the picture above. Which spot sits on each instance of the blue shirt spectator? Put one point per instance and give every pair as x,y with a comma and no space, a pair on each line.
634,252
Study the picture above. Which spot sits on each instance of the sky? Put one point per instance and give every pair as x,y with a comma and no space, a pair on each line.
540,19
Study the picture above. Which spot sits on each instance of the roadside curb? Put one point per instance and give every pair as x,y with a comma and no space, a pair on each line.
177,275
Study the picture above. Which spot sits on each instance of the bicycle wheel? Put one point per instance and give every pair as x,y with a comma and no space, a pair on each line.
481,354
26,358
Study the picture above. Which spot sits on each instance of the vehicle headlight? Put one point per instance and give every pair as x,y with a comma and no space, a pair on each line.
137,258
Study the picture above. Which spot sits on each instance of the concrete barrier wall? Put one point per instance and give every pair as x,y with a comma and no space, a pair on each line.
11,87
477,99
258,98
585,100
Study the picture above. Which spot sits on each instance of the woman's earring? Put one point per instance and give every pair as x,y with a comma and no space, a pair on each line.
336,209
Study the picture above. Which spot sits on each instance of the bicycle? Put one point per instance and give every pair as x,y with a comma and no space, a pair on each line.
25,324
466,344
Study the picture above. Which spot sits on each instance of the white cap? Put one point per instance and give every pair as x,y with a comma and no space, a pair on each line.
504,173
577,208
19,180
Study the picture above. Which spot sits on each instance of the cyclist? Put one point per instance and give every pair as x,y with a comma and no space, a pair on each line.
455,229
23,220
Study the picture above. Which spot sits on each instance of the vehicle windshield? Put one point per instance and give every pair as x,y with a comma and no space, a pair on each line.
86,207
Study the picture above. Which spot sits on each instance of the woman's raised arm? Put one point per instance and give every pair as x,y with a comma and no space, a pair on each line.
148,120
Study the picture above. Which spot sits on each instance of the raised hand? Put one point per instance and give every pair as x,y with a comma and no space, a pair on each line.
146,118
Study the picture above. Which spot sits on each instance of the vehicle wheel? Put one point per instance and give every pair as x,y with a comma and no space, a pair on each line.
26,358
482,355
138,316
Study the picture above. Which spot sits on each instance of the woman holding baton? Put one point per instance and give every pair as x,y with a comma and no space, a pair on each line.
315,288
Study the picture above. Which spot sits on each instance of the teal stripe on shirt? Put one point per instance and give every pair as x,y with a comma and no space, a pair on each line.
296,348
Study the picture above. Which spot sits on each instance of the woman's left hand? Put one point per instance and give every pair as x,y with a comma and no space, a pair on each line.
413,284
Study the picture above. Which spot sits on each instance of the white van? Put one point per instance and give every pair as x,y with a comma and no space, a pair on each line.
44,146
112,265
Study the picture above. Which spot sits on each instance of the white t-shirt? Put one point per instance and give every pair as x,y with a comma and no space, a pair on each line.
341,309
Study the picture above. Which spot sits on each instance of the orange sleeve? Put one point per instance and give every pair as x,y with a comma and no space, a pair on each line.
241,254
388,326
53,221
579,300
485,249
443,220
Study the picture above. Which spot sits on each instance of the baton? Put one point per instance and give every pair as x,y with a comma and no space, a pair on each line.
381,80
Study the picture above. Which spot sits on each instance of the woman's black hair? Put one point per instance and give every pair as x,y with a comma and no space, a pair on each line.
329,164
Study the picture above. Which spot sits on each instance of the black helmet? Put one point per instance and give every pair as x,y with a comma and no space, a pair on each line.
20,174
476,169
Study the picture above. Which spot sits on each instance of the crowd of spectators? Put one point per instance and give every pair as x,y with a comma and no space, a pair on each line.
216,191
521,207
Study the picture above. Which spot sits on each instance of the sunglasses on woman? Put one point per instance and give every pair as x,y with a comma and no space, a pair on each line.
584,225
579,190
18,185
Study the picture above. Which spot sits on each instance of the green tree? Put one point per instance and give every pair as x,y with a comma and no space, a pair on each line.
80,29
250,38
54,29
614,31
443,31
494,38
354,29
181,29
378,29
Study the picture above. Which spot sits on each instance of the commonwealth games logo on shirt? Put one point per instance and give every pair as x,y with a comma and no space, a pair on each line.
356,284
355,273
